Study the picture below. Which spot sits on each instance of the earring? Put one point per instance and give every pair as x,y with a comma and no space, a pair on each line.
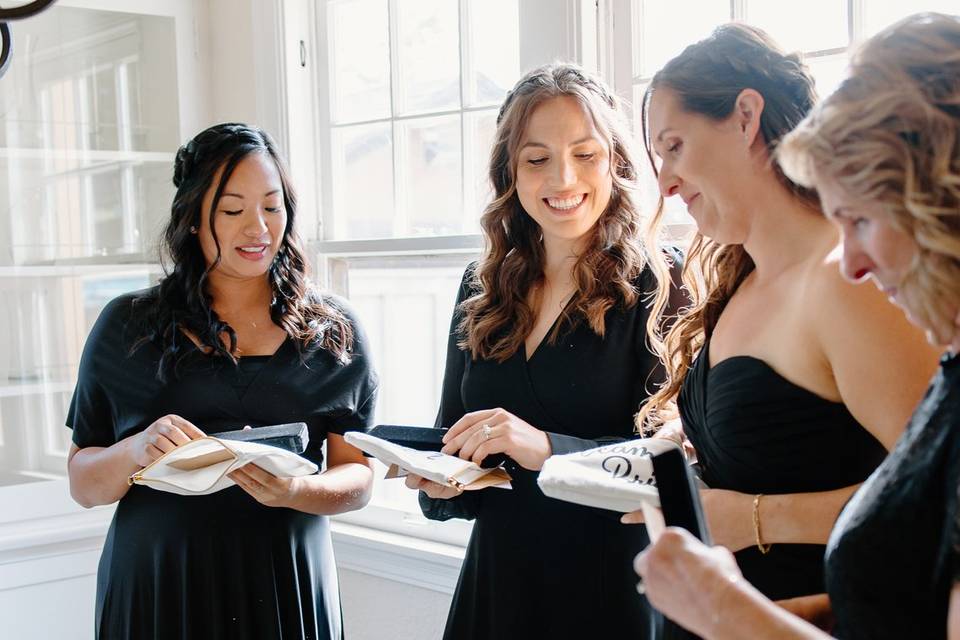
193,229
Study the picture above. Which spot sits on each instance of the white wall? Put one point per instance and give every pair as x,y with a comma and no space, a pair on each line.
377,608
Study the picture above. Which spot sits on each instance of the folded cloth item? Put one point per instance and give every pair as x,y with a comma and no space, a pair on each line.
618,477
200,466
438,467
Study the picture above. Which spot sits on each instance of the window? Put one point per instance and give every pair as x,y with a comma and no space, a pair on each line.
413,88
822,30
85,165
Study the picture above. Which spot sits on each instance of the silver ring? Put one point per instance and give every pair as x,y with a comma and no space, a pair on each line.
487,431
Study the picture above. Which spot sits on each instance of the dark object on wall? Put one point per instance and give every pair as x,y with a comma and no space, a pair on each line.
15,13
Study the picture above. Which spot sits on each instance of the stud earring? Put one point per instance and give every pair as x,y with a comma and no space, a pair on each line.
193,229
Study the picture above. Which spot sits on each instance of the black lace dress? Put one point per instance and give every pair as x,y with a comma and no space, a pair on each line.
221,565
894,555
757,432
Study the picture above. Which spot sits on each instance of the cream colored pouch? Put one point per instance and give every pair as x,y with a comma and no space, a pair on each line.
201,466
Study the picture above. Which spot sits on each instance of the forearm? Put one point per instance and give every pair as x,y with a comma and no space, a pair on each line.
745,608
801,518
341,488
98,475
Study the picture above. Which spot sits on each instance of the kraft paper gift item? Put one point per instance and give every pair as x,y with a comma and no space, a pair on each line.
200,466
618,477
452,471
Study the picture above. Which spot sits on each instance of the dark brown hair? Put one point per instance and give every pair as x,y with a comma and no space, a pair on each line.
707,78
183,301
499,316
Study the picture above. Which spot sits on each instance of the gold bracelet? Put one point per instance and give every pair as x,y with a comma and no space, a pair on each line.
764,548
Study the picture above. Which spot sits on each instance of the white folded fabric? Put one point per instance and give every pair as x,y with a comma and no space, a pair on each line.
200,466
437,467
618,477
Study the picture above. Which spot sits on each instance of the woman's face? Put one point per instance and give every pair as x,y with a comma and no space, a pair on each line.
704,162
250,219
872,247
563,170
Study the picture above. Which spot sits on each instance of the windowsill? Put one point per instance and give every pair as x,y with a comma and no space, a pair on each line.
45,536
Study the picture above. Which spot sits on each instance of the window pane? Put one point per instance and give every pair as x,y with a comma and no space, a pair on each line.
363,181
428,55
660,34
812,26
879,14
479,130
406,311
82,89
829,72
429,175
493,50
359,66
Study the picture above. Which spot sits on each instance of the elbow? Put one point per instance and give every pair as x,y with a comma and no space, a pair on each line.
80,498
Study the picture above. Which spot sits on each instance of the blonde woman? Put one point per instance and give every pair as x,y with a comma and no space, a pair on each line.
884,154
792,384
548,354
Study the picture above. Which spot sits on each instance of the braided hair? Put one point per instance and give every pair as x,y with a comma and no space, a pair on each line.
499,316
707,78
183,301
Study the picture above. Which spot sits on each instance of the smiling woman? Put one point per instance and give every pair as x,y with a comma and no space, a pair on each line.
560,294
234,335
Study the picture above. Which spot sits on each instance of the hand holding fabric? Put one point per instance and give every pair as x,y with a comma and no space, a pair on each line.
481,433
163,436
266,488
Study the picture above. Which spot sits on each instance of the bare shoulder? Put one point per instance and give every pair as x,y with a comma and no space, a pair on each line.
880,361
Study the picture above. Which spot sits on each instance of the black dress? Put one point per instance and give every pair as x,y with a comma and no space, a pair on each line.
757,432
221,565
894,555
537,567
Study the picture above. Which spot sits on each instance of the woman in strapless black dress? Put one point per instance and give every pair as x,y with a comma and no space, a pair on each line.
893,560
781,368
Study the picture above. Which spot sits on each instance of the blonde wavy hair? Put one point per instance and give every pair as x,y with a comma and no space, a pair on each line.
707,77
499,315
889,136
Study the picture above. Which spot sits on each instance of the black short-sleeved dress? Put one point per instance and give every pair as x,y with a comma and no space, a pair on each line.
537,567
894,555
222,565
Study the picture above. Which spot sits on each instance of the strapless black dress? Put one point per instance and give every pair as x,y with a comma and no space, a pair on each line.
757,432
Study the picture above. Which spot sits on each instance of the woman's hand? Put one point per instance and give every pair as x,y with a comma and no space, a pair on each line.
163,436
481,433
433,489
686,580
266,488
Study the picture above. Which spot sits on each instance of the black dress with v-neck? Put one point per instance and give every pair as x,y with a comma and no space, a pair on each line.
537,567
757,432
221,565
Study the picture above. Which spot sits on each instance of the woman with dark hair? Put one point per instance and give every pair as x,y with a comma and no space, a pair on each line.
234,335
548,354
780,368
883,152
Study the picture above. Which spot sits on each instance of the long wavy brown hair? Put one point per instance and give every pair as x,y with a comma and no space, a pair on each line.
889,137
183,300
499,315
707,77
